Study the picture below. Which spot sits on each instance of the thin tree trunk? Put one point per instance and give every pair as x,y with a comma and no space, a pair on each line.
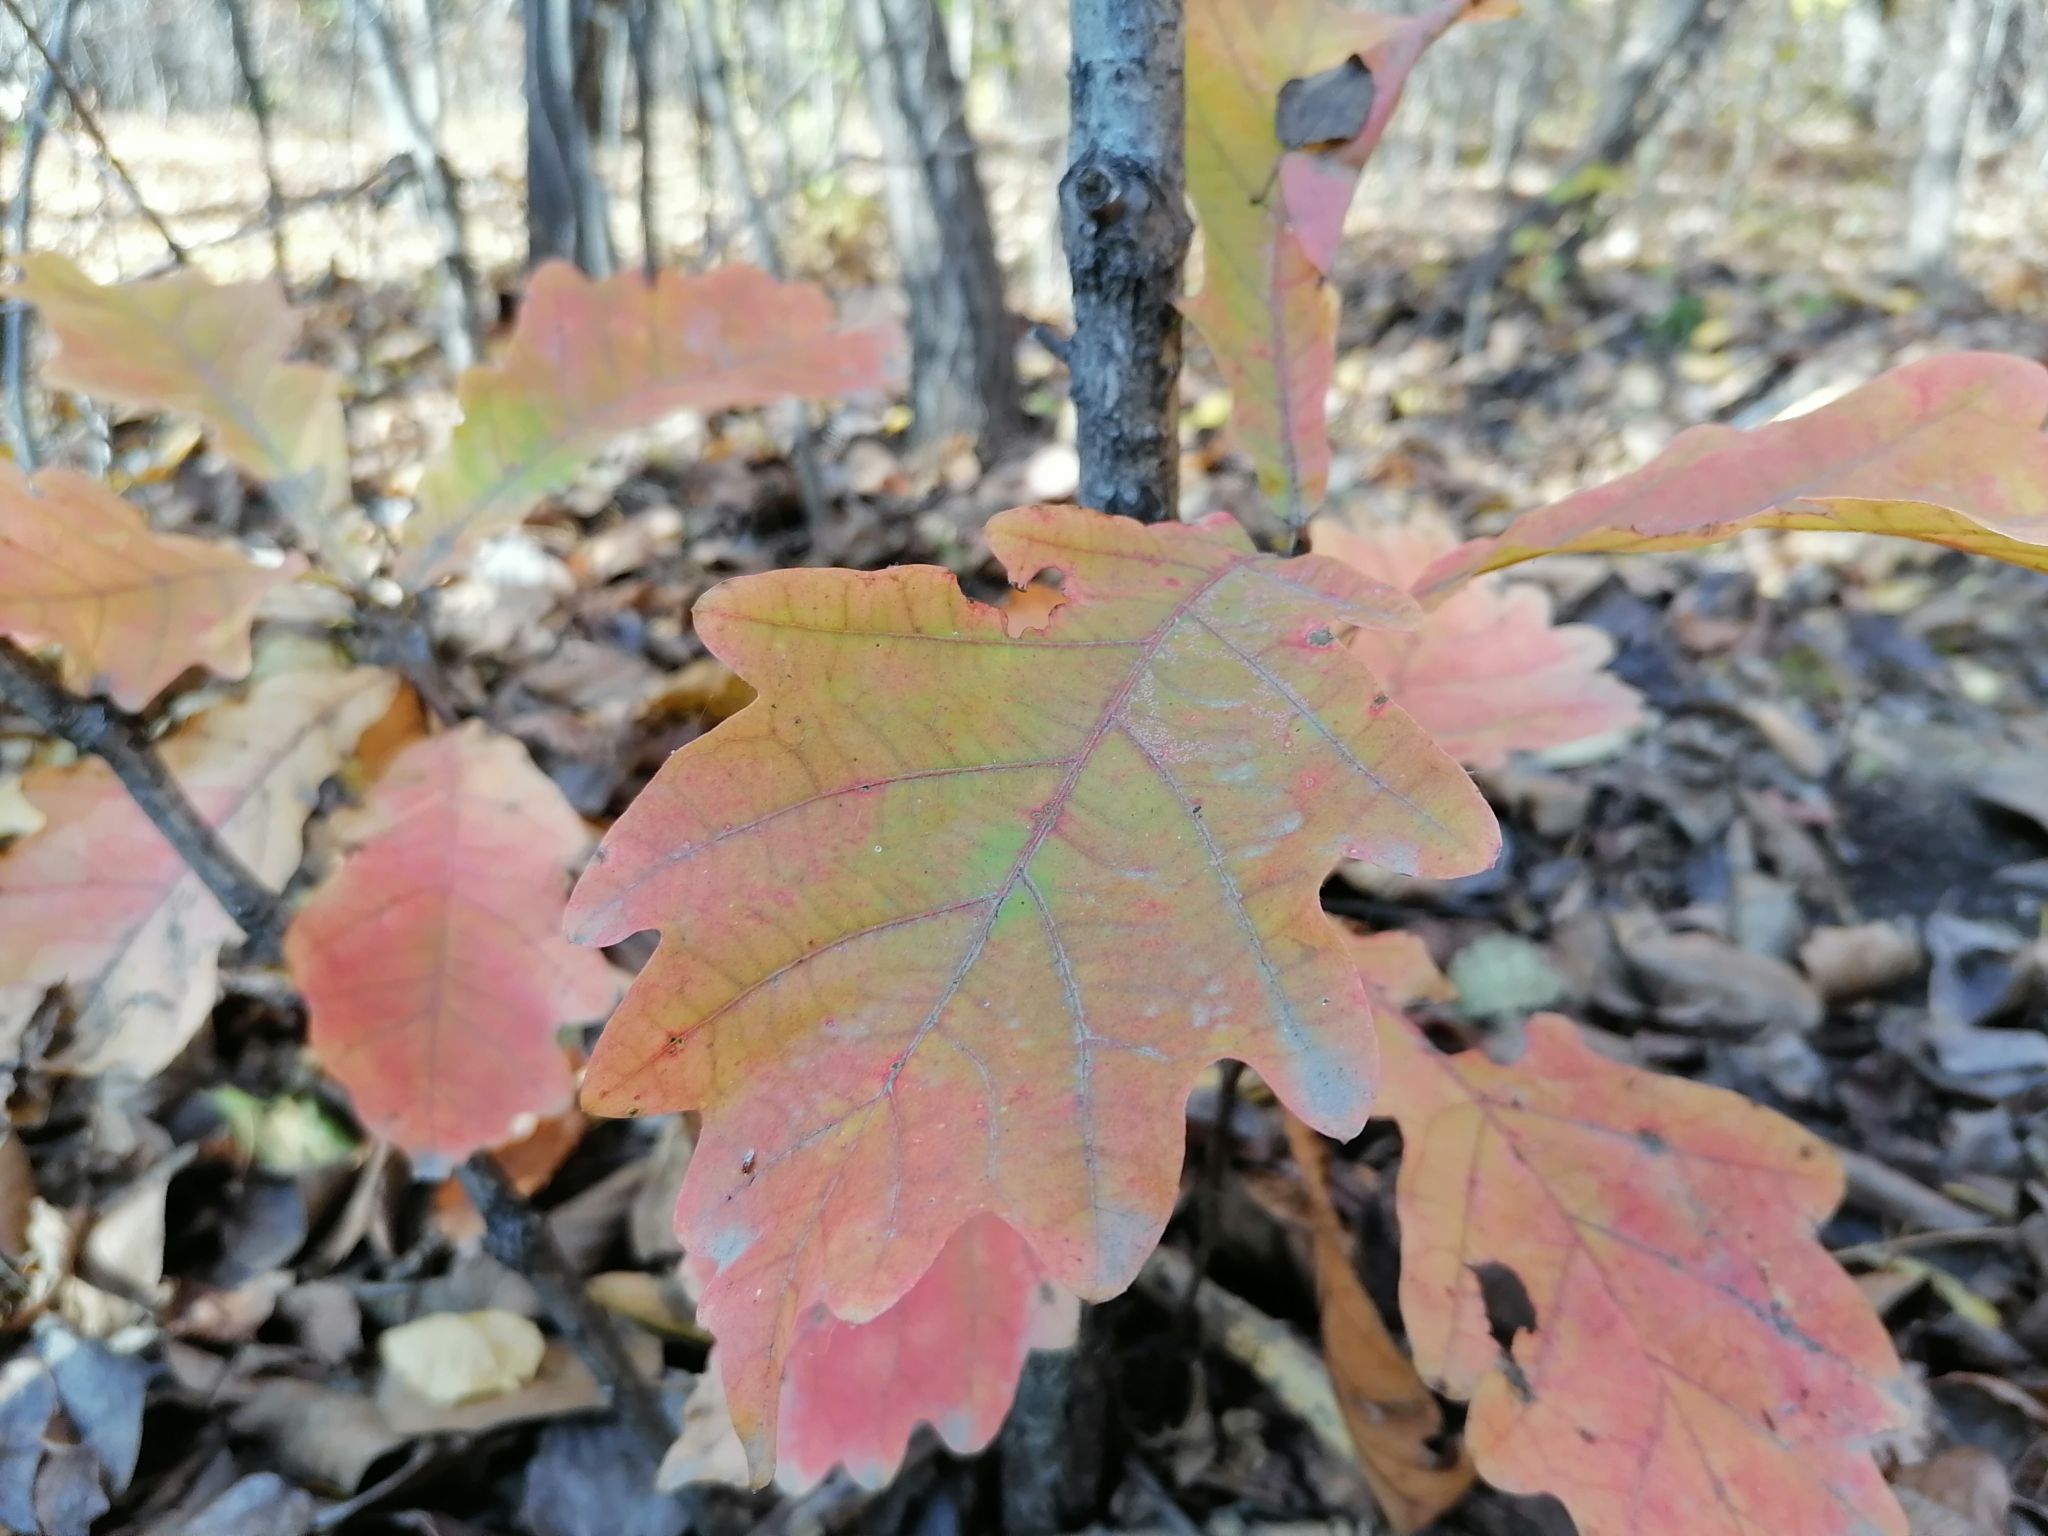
565,201
963,353
1937,188
642,20
259,111
1650,70
708,68
1865,24
440,199
20,209
1124,222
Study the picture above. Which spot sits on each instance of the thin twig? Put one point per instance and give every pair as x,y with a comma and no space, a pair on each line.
244,47
96,727
518,1236
14,348
514,1232
90,124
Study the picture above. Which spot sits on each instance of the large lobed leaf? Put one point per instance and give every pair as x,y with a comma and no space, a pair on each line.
99,900
589,360
432,965
1949,450
1698,1361
952,919
1271,210
1486,673
80,568
179,342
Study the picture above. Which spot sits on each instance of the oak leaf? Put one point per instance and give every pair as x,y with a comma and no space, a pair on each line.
1486,672
179,342
1286,100
949,1353
432,965
590,359
100,901
132,609
953,918
1685,1355
1949,450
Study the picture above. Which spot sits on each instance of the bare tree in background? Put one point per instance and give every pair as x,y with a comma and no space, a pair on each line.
1866,34
963,355
439,195
566,211
1937,190
1936,195
1656,60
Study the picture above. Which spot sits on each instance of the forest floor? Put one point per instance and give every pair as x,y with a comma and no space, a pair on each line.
1844,734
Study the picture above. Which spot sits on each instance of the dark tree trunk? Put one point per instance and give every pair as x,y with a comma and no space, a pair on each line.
1123,219
963,356
565,202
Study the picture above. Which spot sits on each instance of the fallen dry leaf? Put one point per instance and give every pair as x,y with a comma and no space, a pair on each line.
1393,1418
449,1358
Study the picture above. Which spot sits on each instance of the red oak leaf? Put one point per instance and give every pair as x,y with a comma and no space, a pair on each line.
954,918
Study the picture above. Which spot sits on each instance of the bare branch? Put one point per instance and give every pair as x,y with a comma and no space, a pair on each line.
79,110
99,729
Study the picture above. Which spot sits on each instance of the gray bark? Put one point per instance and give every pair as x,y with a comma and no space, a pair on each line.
963,355
1937,189
440,199
566,216
259,111
642,19
1123,219
1865,25
708,71
20,209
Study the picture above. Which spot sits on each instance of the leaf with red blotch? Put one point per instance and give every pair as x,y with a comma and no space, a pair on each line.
132,609
1949,450
1684,1355
432,965
1286,100
218,351
948,1354
100,901
589,360
1486,673
953,918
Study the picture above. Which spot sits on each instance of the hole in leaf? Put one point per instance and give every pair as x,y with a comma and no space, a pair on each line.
1509,1310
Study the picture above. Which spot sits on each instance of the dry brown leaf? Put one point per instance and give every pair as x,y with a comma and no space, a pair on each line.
1394,1420
1860,961
1700,981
